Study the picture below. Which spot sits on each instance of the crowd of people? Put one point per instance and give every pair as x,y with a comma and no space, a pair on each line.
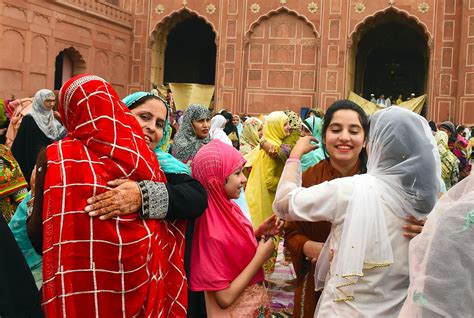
127,208
383,102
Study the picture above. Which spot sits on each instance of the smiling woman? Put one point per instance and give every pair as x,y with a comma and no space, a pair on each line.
171,200
151,115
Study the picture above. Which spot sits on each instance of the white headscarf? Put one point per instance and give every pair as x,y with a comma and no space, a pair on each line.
442,258
404,174
44,117
217,129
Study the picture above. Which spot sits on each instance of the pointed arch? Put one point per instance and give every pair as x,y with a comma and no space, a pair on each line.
162,28
384,16
380,65
274,12
69,63
160,36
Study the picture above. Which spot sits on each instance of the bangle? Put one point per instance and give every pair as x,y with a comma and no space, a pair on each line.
145,211
293,159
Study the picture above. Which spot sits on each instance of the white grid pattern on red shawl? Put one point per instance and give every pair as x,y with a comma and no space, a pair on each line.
114,268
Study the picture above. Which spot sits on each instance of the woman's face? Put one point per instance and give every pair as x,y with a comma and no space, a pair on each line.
49,103
234,184
344,137
235,120
151,116
201,127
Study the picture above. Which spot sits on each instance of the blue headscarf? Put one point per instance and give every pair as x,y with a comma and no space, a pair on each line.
313,157
168,163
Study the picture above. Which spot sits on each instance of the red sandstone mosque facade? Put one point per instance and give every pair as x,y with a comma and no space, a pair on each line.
261,55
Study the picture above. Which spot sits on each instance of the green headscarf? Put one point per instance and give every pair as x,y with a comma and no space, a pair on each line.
313,157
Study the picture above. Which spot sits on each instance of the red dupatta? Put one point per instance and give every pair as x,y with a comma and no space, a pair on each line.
114,268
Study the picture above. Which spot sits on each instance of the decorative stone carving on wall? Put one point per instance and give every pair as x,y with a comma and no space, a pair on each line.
312,7
229,77
280,79
308,54
103,37
119,45
159,9
255,7
308,80
423,7
230,53
14,12
359,7
210,8
39,18
469,88
231,29
470,55
256,53
282,54
255,79
445,84
281,29
331,81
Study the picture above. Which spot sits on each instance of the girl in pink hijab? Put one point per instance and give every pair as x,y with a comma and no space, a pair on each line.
226,258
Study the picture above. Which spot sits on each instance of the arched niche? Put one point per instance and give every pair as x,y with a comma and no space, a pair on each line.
390,55
69,63
183,49
280,66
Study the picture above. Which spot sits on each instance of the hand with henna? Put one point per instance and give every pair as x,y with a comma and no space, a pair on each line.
125,198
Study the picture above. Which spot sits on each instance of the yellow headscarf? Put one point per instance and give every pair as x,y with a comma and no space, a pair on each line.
249,138
274,128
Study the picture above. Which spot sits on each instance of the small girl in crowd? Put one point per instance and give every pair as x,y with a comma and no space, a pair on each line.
226,259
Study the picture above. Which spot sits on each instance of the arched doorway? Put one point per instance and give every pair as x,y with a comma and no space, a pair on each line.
68,63
390,56
183,50
281,56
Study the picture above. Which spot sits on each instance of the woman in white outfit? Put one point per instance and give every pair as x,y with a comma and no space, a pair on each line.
368,273
217,129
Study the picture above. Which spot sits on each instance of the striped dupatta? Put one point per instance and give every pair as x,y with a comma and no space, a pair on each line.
121,267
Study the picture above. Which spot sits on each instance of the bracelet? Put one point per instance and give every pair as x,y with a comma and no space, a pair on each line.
145,211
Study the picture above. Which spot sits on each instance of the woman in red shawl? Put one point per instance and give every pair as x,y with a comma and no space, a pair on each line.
93,268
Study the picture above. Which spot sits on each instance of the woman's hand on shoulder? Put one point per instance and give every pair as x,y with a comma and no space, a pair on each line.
124,199
413,226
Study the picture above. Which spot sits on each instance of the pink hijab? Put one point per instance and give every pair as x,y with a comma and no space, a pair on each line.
224,242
